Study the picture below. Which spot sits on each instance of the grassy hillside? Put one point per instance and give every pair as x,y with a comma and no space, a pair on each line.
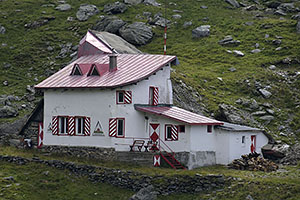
202,60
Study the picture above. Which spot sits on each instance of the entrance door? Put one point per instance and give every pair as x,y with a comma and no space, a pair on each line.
40,135
154,134
253,143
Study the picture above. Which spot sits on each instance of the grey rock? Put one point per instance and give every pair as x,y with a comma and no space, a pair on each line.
201,31
296,17
249,23
137,33
151,2
147,193
232,69
276,42
267,118
6,65
147,14
278,48
298,27
104,22
280,12
114,26
249,197
8,111
65,49
115,8
158,20
177,16
63,7
133,2
273,4
234,3
50,48
10,178
265,93
228,40
233,115
238,53
187,24
251,7
2,29
85,11
259,113
270,111
5,83
203,7
272,67
256,51
287,7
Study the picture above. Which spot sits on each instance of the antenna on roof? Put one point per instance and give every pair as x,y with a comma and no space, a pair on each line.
165,34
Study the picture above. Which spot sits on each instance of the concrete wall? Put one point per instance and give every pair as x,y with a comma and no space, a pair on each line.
101,105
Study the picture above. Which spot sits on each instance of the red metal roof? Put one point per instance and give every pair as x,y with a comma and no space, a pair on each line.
178,114
131,69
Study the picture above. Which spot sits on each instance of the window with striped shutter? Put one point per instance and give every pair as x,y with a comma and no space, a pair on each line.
124,97
171,132
117,127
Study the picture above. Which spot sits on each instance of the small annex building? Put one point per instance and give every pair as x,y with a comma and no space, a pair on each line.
109,98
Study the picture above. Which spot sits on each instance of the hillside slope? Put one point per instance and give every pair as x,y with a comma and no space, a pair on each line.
39,40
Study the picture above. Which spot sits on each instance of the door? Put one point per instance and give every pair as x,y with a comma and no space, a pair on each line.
40,135
154,135
253,143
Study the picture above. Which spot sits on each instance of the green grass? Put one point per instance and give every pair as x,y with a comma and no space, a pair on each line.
201,60
60,184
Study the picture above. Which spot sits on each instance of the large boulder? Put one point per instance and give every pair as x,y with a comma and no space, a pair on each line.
146,193
201,31
85,11
8,111
151,2
133,2
110,24
234,3
115,8
63,7
2,29
137,33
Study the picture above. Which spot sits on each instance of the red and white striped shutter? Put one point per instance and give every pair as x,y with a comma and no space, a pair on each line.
40,136
55,125
71,125
87,126
174,132
128,97
112,127
155,96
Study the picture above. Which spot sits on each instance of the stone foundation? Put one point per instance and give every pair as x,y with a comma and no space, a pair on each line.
196,159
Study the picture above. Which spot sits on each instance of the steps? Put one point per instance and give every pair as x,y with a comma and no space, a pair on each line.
171,160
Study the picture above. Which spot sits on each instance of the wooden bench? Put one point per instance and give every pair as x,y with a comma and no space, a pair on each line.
137,144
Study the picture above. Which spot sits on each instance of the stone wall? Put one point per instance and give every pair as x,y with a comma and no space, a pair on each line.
132,180
108,154
196,159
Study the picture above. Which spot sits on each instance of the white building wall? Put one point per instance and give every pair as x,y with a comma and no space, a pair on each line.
231,147
101,105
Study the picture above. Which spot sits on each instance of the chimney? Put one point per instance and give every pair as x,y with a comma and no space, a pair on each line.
112,62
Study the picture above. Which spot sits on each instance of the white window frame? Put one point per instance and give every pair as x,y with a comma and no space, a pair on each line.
63,121
79,120
118,93
123,128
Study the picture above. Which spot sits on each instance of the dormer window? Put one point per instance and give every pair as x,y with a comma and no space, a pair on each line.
76,70
93,71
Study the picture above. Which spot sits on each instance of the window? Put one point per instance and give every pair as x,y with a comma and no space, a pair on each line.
63,125
124,97
93,71
79,125
181,128
153,96
243,139
171,132
120,97
209,128
71,125
120,128
117,127
76,70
